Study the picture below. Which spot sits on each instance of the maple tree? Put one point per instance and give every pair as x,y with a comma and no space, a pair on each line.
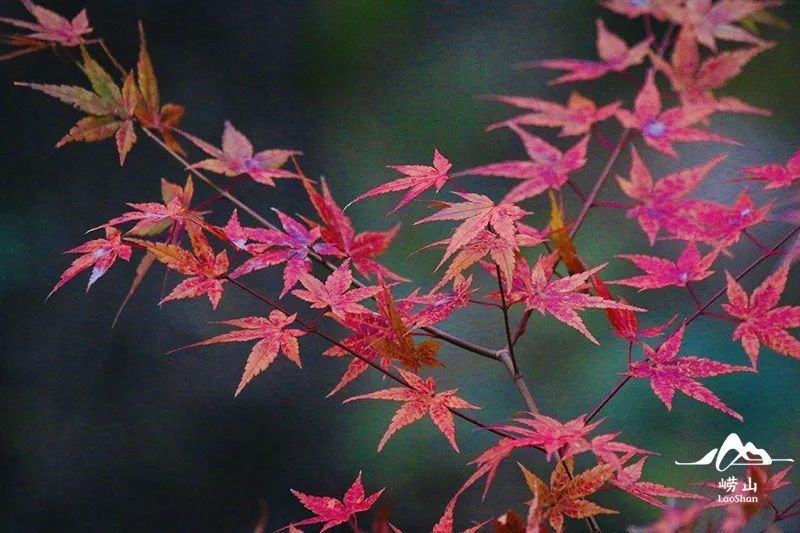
383,321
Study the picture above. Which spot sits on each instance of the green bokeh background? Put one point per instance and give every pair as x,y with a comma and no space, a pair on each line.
102,431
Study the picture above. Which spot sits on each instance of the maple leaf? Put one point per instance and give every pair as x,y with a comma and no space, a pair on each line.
575,118
668,373
274,337
614,53
690,266
338,232
776,176
717,20
478,213
395,340
153,218
50,27
206,271
99,254
695,79
638,8
629,479
332,511
237,157
675,520
761,322
662,128
418,179
291,246
661,202
419,400
548,167
562,298
559,235
438,306
624,322
722,225
335,293
149,111
566,494
110,109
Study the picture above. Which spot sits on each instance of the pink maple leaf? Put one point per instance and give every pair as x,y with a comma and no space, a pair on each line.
761,321
478,213
274,337
335,293
419,400
629,479
575,118
337,231
694,79
99,254
237,157
776,176
548,167
52,27
563,297
723,225
614,53
332,511
662,128
668,373
624,322
418,179
206,270
661,202
639,8
690,266
717,20
291,246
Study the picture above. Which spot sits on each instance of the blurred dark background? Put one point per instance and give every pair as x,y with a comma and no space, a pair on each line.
103,432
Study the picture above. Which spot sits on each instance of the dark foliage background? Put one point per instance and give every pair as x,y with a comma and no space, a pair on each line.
103,432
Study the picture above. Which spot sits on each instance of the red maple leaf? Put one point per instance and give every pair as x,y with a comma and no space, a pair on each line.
237,157
206,270
338,232
762,323
575,118
333,511
722,225
478,213
563,297
99,254
668,373
639,8
335,293
776,176
690,266
419,400
614,53
662,128
662,201
629,479
694,79
153,218
291,246
418,179
438,306
716,20
548,167
275,338
567,492
51,27
624,322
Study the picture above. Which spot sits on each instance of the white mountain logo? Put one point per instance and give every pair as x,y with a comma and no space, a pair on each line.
743,455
